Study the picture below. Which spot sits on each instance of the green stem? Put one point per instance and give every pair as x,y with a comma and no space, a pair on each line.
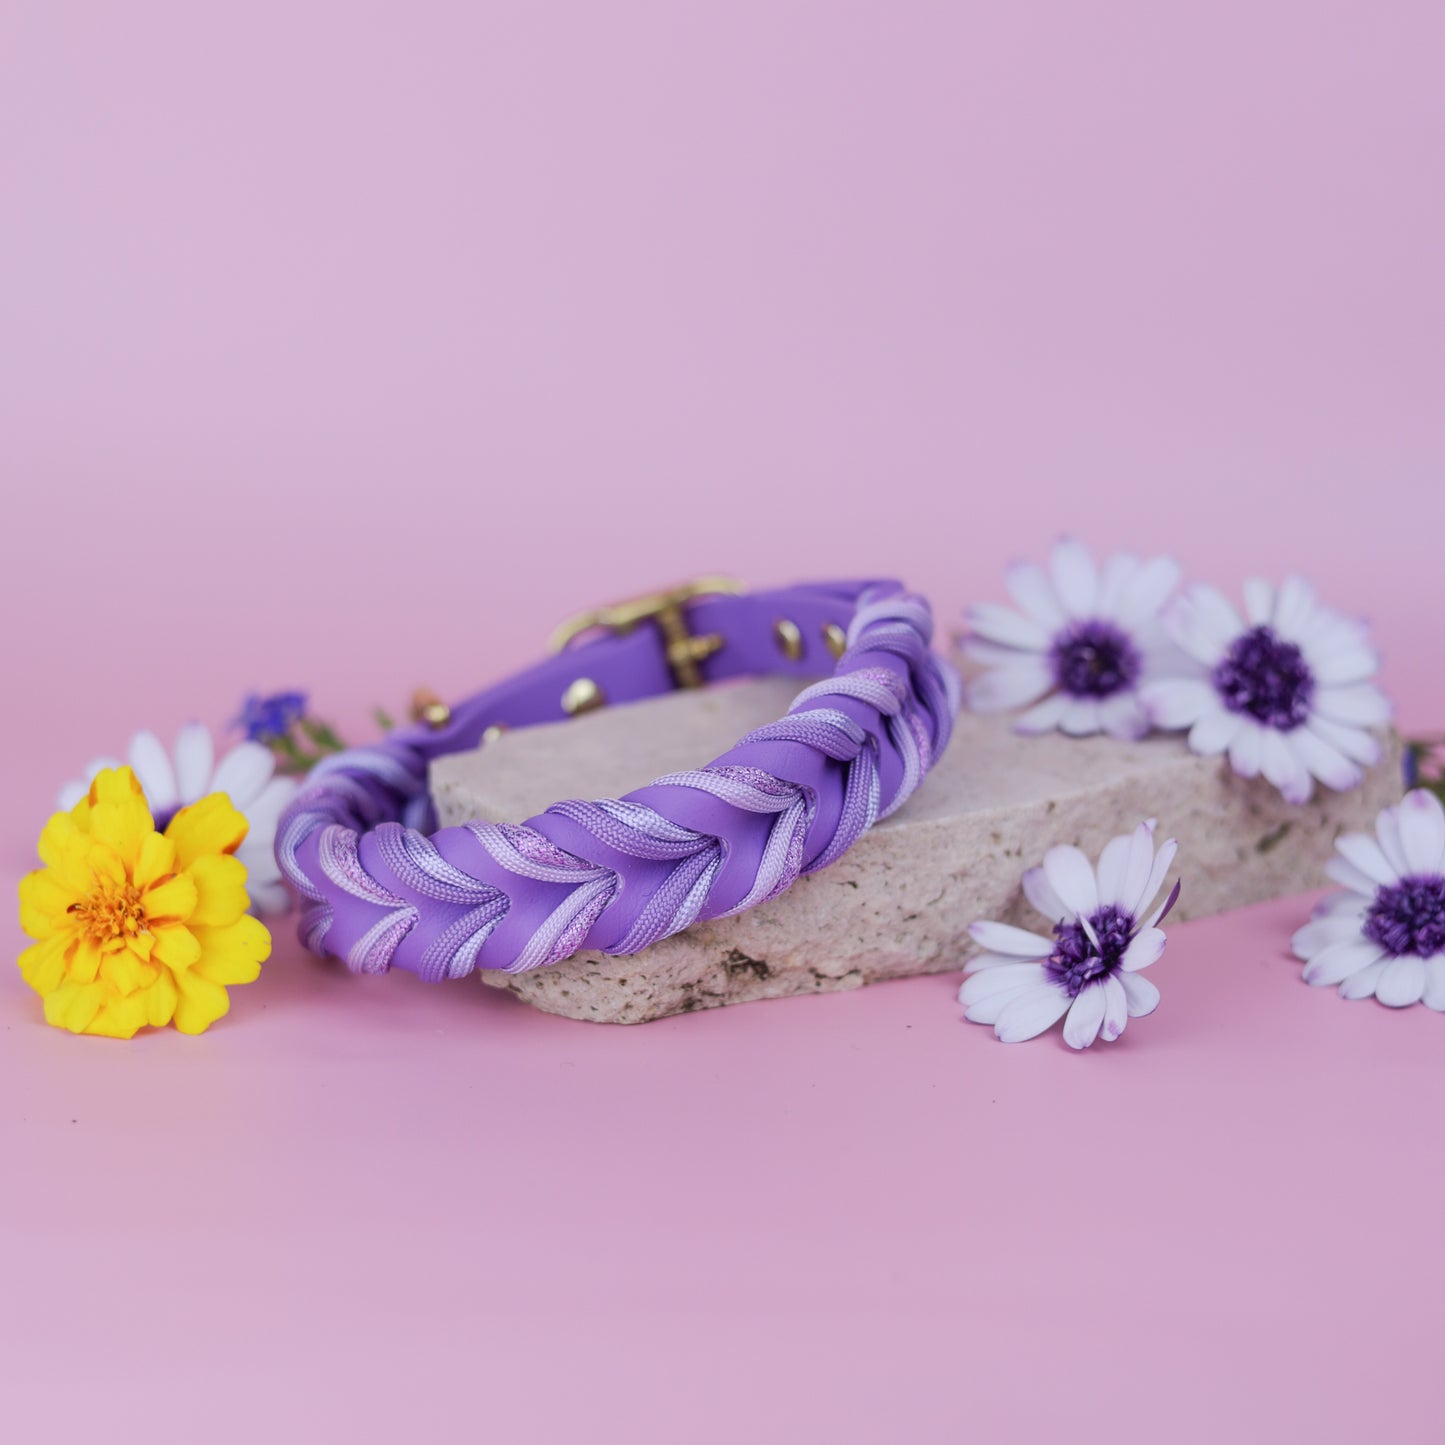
290,759
322,735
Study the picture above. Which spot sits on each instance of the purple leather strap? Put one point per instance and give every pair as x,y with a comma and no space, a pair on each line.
618,874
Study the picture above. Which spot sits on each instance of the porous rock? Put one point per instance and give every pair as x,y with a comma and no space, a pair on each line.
900,901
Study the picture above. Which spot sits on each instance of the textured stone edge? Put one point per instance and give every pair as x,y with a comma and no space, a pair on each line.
1281,849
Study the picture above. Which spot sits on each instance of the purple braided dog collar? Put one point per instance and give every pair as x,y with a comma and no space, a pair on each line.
618,874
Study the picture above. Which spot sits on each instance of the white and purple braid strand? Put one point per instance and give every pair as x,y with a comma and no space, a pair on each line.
618,874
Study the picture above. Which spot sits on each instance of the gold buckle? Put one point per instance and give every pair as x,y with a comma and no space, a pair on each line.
685,649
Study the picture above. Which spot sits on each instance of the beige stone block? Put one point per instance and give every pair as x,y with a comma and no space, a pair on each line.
900,901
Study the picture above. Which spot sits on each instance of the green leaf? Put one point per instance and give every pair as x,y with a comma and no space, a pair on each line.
322,737
290,760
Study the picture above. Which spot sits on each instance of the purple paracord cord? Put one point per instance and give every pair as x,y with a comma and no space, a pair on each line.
618,874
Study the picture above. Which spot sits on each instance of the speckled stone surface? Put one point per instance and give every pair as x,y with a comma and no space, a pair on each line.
900,901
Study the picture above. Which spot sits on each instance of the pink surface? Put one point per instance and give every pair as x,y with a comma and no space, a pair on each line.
351,346
394,1208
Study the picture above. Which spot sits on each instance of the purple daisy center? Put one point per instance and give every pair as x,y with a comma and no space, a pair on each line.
1409,917
1268,678
1093,658
1076,962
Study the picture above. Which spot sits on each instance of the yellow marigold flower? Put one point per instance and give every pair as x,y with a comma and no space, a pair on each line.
135,927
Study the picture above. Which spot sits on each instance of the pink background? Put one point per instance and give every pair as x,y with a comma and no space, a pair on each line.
350,346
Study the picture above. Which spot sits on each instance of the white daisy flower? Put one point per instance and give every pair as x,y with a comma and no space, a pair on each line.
246,775
1082,642
1286,693
1383,934
1024,983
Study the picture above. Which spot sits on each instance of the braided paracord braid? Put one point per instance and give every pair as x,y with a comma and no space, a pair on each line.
789,799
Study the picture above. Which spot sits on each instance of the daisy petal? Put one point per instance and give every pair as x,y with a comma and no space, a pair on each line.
1075,579
243,773
269,899
260,860
1014,685
1344,664
1004,938
1204,623
1140,992
1115,579
1116,1008
1341,902
152,767
1322,933
991,654
1434,994
1344,872
1179,702
1293,607
264,811
1246,749
1008,979
1214,732
1123,716
1324,762
1363,983
1359,706
1002,624
195,757
1072,878
1387,832
1081,717
1335,964
1086,1015
1167,907
1113,868
1402,982
1280,765
1356,744
989,1010
1035,596
1040,892
1030,1014
1145,948
1043,717
1138,865
1365,853
1258,602
1422,831
1163,861
1147,591
70,795
981,961
1329,633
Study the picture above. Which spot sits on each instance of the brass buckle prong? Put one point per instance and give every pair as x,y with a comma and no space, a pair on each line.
669,610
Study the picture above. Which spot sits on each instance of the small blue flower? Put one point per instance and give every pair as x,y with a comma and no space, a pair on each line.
265,718
1411,765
